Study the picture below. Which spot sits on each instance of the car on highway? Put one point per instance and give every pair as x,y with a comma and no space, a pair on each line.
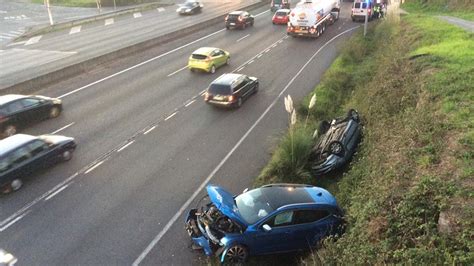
361,8
270,219
337,142
22,155
230,90
208,59
7,259
281,16
239,19
278,4
17,111
189,8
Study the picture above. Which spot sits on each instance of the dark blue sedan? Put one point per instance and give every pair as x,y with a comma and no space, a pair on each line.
270,219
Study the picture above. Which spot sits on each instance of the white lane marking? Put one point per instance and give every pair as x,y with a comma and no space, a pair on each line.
63,128
286,37
171,115
16,43
57,192
160,9
243,37
137,15
240,69
266,51
219,166
149,130
261,13
273,46
33,40
31,204
260,55
139,64
189,103
93,167
75,29
9,34
17,32
202,92
14,221
109,21
280,41
181,69
125,146
250,62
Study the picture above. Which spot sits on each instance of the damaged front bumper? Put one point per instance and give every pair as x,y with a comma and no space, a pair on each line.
199,236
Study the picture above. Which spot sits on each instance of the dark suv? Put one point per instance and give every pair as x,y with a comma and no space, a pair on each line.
337,143
230,90
22,155
17,111
238,19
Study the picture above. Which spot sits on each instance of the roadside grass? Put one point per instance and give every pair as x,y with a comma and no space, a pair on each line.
70,3
462,9
413,84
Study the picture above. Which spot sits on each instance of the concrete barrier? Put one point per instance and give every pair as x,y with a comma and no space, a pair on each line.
36,83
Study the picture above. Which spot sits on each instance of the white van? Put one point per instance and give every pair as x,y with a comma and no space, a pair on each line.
360,8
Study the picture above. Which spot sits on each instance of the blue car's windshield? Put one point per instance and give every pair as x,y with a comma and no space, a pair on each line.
253,206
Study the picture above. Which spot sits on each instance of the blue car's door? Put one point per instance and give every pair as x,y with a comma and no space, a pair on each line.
279,238
310,226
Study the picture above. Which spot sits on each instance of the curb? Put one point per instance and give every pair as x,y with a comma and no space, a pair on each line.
42,29
29,86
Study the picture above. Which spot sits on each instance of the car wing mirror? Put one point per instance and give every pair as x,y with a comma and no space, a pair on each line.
266,228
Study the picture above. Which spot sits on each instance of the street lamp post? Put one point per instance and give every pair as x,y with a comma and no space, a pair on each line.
46,3
366,17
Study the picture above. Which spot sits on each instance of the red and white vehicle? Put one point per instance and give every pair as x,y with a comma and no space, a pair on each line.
311,17
281,16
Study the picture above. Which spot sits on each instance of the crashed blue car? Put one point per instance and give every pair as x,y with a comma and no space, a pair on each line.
271,219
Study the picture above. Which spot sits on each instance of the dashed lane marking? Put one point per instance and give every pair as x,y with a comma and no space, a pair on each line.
170,116
149,130
240,69
189,103
93,167
109,21
125,146
75,29
63,128
33,40
137,15
250,62
243,37
14,221
260,55
57,192
181,69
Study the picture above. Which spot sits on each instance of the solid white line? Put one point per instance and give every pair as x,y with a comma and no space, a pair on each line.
57,192
203,184
171,115
16,43
93,167
149,130
33,40
250,62
137,15
125,146
260,55
63,128
140,64
188,104
75,29
109,21
14,221
181,69
243,37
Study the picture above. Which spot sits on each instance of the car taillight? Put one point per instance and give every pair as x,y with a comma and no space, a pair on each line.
207,96
240,19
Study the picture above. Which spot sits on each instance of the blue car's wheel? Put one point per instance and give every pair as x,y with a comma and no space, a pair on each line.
236,254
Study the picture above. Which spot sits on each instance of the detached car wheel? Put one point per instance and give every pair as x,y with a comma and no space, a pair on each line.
336,148
236,254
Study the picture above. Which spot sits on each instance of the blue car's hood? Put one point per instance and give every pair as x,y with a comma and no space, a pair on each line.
224,201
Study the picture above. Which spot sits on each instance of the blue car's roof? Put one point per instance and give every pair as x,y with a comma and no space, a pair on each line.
10,143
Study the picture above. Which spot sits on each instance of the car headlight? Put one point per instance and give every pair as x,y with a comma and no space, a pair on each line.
179,9
188,10
57,101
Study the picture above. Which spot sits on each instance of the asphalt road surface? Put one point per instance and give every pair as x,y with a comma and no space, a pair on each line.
147,143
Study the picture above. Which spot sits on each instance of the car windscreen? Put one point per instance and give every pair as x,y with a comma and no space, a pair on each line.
220,89
357,5
281,14
233,17
199,56
253,206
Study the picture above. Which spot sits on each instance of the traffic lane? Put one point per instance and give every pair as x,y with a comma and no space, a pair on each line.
114,170
247,161
103,117
129,31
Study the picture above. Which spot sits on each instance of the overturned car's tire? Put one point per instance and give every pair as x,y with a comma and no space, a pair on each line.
236,254
336,148
352,113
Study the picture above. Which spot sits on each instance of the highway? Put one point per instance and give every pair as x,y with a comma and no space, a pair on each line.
147,144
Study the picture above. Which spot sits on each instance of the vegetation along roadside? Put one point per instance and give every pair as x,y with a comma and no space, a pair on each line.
408,192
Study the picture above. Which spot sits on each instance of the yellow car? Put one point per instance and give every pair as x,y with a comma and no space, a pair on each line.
208,59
